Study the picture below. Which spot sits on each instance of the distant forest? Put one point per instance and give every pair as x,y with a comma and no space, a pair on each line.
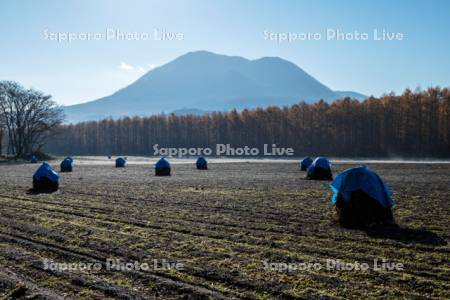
414,124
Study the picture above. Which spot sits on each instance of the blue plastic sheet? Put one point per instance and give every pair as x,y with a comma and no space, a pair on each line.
162,164
306,162
67,163
364,179
120,162
201,162
46,171
319,162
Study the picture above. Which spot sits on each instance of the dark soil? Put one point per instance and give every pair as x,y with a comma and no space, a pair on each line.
223,225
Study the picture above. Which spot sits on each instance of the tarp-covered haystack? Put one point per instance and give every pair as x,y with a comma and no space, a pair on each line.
45,179
33,159
305,163
362,198
201,163
162,167
320,169
120,162
67,164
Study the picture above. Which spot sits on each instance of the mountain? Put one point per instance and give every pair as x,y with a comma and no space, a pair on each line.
189,111
350,94
206,81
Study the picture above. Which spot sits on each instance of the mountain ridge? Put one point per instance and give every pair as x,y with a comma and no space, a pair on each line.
205,81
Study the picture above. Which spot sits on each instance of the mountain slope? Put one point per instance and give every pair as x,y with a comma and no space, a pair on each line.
207,81
354,95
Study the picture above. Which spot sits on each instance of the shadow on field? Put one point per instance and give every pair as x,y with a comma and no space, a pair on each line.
405,235
32,191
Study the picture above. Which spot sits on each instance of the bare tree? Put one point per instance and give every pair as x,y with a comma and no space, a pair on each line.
30,117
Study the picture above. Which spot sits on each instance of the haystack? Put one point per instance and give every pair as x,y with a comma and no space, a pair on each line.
45,179
305,163
320,169
201,163
162,167
362,198
121,162
67,164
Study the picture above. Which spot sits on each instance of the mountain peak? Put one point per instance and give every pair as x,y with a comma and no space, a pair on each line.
201,53
207,56
204,53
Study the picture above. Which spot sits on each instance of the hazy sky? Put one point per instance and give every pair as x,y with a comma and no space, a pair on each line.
84,70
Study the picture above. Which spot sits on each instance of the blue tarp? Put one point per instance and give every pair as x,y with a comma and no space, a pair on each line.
201,162
364,179
319,162
162,164
120,162
67,162
306,162
46,171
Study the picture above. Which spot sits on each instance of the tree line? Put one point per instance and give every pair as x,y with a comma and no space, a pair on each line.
414,124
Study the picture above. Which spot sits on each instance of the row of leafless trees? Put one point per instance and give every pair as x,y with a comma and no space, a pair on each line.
28,118
414,124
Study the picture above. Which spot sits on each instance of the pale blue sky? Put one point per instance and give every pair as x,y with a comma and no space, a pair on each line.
81,71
